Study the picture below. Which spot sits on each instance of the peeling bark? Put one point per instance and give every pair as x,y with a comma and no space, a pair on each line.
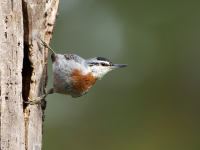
23,70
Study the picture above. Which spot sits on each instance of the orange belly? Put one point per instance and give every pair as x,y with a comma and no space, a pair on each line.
82,83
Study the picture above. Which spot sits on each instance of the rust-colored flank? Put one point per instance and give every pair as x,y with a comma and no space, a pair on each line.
82,82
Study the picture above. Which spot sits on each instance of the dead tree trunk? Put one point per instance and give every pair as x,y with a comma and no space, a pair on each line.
23,70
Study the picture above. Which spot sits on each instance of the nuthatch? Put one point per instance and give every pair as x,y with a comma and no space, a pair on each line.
73,75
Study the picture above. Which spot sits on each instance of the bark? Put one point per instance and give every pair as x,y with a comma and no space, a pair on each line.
23,70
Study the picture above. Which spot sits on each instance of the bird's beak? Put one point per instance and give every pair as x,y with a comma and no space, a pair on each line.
118,66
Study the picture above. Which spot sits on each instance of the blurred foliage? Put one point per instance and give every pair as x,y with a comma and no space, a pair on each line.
153,104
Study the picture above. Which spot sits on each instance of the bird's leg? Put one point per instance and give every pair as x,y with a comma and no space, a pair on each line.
38,99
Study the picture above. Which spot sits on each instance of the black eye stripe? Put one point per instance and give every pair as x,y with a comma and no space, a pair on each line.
93,64
104,64
105,59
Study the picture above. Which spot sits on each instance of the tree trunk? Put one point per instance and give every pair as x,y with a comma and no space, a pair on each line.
23,70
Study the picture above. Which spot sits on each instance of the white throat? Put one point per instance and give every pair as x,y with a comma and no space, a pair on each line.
99,71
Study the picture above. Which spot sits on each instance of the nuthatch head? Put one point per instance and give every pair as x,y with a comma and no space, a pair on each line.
73,75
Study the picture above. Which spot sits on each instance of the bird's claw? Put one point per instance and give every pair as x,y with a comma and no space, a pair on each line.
43,43
35,101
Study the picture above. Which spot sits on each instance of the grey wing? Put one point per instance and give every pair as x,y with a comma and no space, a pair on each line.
74,57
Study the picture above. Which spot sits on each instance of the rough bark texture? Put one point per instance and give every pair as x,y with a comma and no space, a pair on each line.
23,70
11,51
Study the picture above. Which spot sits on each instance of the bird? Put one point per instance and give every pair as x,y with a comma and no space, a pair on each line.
73,75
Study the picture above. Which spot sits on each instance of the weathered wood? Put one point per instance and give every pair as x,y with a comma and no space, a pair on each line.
11,54
37,25
23,69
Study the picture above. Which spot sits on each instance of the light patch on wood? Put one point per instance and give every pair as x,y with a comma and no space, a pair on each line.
12,133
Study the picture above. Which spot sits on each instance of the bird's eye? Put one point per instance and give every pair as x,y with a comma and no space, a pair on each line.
103,64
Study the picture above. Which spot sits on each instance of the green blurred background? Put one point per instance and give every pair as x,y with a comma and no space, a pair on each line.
154,103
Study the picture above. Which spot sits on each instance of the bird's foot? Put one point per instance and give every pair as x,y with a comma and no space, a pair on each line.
38,99
35,101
